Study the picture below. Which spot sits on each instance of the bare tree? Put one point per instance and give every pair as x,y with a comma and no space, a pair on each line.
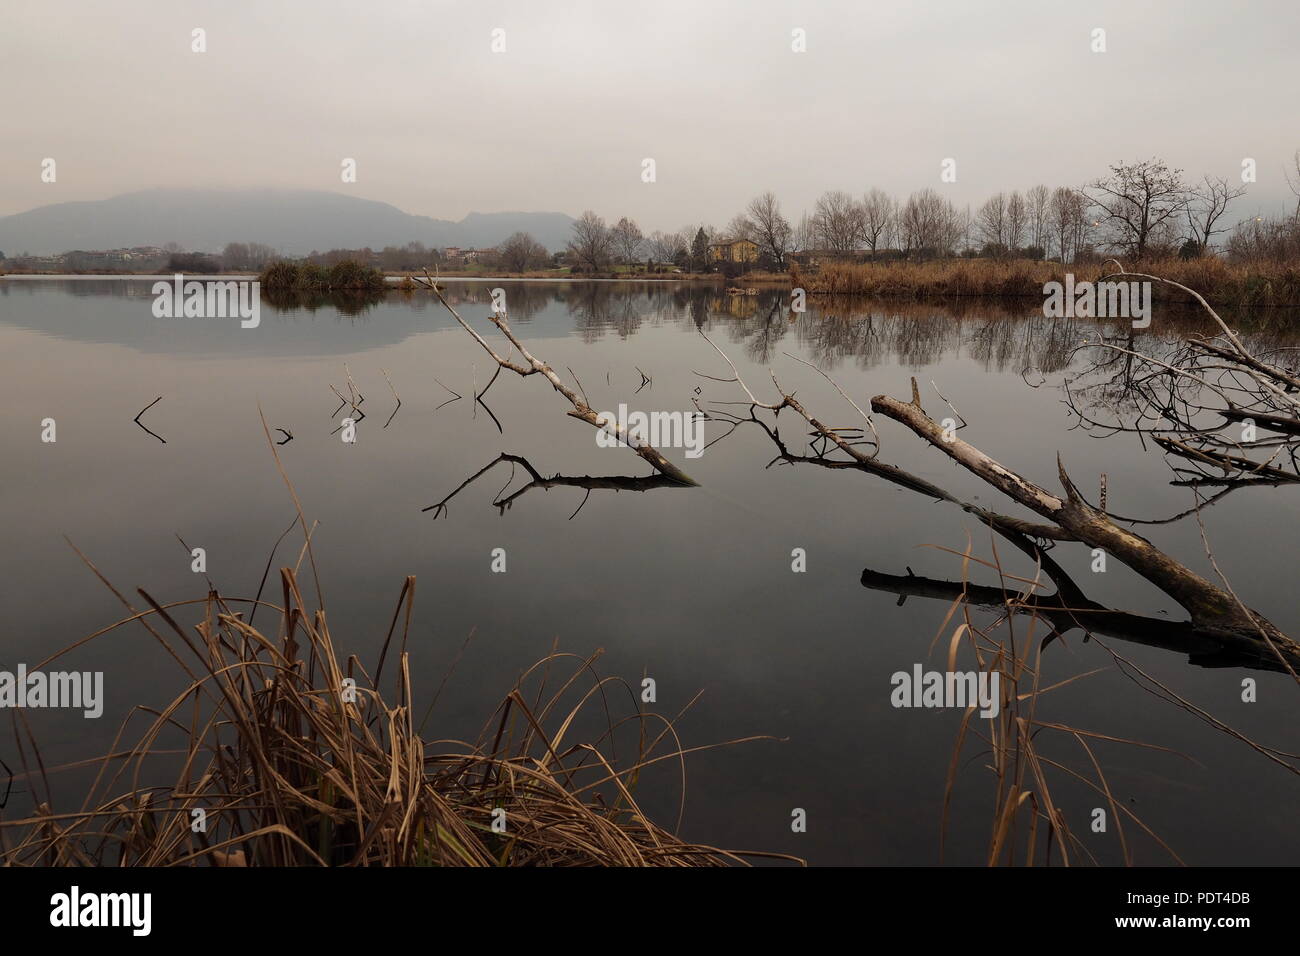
1038,201
521,252
953,225
769,228
1068,214
929,224
666,246
738,228
805,234
1135,200
592,243
965,230
1207,203
1017,218
914,228
877,217
837,222
992,220
626,239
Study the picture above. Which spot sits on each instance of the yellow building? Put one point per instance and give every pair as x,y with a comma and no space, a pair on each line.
738,250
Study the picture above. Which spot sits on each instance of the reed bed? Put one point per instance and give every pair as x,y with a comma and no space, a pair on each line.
294,758
1258,284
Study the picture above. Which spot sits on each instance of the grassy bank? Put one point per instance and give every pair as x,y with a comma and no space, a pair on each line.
1258,284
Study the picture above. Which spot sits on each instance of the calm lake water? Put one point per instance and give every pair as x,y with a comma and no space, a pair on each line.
691,586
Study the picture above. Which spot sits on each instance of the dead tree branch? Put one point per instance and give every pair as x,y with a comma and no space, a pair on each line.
581,410
600,483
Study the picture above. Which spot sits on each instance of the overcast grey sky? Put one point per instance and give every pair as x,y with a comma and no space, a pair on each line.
441,125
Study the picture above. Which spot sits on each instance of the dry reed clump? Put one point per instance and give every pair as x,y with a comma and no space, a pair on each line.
295,758
1258,284
1028,825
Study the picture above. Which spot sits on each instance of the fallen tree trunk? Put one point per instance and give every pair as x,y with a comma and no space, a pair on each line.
1203,649
1212,609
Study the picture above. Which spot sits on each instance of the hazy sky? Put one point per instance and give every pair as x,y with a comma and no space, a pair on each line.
441,125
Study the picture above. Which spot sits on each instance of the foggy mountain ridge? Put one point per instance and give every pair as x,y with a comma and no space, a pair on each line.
294,222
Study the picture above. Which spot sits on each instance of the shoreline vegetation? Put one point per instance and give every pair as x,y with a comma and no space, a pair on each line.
1259,284
1264,284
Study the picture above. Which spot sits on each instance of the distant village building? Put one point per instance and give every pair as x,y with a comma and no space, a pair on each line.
737,250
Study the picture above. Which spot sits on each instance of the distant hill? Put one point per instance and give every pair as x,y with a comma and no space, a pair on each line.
292,221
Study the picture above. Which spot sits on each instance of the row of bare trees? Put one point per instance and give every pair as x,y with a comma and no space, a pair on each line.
1140,210
597,246
1143,210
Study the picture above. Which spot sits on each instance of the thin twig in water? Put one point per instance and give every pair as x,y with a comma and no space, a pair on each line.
394,391
142,424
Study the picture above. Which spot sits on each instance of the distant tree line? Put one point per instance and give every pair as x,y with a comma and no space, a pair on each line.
1139,210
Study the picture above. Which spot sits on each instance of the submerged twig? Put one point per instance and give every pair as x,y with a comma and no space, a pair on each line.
143,425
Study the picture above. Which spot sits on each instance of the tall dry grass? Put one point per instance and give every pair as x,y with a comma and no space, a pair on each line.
1222,283
291,766
1028,825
